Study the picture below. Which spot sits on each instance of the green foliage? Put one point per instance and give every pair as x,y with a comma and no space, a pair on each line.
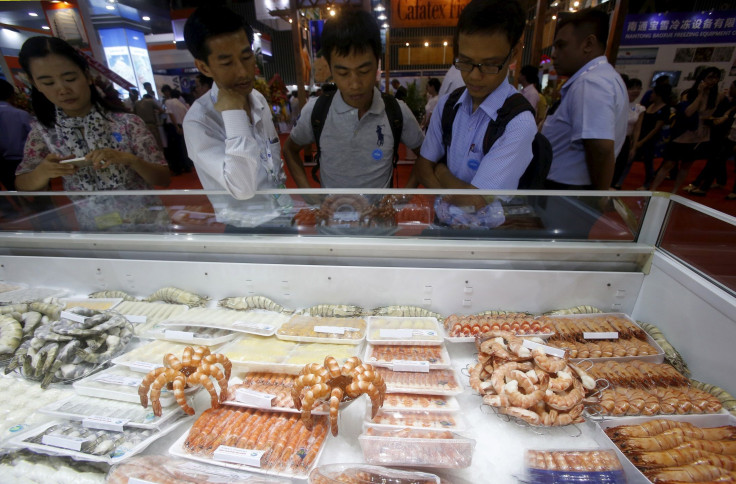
416,100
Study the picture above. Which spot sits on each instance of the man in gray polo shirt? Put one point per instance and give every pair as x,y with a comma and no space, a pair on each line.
356,144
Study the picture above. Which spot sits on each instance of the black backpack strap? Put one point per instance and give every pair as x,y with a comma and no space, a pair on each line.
448,116
396,120
513,106
319,116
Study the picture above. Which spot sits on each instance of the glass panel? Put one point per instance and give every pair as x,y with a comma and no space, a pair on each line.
704,241
380,213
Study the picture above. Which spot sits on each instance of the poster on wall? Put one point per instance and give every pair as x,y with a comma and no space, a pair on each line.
118,59
66,23
716,27
722,54
684,54
646,55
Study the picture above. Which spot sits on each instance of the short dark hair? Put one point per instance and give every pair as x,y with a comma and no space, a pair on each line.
664,91
662,80
435,83
6,90
531,74
147,84
204,80
175,93
165,88
587,22
211,21
490,17
633,82
351,31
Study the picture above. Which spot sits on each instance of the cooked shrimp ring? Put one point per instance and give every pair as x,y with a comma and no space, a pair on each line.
532,394
498,379
550,364
565,401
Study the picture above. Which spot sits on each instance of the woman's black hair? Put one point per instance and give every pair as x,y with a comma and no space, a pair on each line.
351,31
692,93
41,46
664,91
633,82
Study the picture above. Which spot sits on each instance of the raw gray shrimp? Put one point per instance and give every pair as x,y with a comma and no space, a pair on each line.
410,311
95,342
112,321
178,296
248,303
14,308
18,356
46,334
43,360
11,333
65,355
31,320
113,294
72,371
51,310
334,310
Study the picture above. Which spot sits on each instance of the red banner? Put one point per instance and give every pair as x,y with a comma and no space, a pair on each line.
105,71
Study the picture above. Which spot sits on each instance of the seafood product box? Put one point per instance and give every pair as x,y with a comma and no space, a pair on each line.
573,466
164,468
434,382
433,357
192,335
145,315
81,443
464,329
418,419
150,355
634,475
399,330
316,329
98,304
427,403
414,447
257,321
121,384
273,443
108,414
30,294
367,474
266,391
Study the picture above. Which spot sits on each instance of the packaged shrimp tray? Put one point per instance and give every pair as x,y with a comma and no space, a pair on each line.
433,357
98,304
400,330
27,294
433,382
316,329
416,447
257,321
192,335
367,474
109,414
666,449
573,466
465,328
254,440
418,402
150,355
268,391
121,384
73,439
146,315
417,419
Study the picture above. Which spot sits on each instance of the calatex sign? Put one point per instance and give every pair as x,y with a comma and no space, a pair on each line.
716,27
426,13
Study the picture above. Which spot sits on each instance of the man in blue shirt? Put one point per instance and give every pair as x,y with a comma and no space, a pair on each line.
15,124
588,128
486,39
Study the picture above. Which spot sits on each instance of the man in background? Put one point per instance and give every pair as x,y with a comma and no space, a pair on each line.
15,124
202,85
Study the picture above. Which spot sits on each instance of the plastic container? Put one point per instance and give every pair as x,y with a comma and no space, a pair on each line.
277,384
99,411
401,330
429,403
148,314
260,322
151,355
98,304
73,439
435,382
315,329
414,447
384,355
121,384
367,474
463,329
573,466
30,294
418,419
164,468
192,335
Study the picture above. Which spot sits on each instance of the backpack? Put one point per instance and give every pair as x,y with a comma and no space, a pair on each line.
536,172
319,116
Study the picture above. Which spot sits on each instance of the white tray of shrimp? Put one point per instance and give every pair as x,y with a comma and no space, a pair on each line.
99,411
419,402
434,382
257,321
259,386
148,314
98,304
150,355
417,419
437,357
192,335
401,330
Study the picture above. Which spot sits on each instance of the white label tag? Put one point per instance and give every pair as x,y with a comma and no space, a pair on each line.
254,398
143,366
248,457
601,335
71,443
127,381
414,366
135,480
178,335
560,353
424,332
77,318
105,423
259,327
396,333
331,329
136,319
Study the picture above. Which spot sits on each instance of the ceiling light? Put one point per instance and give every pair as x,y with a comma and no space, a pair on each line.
380,7
576,4
146,18
291,21
407,44
384,25
332,13
554,17
110,7
444,43
381,17
33,14
426,44
46,27
572,9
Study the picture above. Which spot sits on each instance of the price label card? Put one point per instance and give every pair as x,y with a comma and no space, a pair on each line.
143,366
105,423
178,335
396,333
64,442
136,319
258,327
413,366
254,398
247,457
126,381
560,353
77,318
334,329
424,332
601,335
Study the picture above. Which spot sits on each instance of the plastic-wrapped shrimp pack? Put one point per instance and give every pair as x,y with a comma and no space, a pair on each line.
573,466
31,468
367,474
415,447
275,443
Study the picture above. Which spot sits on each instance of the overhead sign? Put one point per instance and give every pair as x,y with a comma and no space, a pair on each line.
716,27
426,13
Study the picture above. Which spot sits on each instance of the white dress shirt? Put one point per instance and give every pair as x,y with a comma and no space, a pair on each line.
453,79
531,95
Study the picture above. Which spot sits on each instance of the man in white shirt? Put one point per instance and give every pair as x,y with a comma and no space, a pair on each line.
453,79
528,78
229,131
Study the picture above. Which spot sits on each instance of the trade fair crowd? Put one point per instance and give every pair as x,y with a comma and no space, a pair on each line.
479,131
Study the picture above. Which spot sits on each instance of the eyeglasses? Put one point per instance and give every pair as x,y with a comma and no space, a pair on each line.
465,66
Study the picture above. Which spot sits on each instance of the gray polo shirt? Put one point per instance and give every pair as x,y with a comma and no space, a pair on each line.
357,153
